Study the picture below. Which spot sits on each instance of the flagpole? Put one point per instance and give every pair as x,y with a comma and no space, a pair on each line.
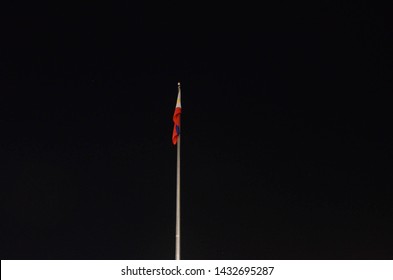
178,195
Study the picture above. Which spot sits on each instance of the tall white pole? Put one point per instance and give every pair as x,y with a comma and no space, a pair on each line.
178,193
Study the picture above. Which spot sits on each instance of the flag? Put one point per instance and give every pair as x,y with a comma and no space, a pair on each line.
176,120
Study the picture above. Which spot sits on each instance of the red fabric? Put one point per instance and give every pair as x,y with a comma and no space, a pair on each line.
176,125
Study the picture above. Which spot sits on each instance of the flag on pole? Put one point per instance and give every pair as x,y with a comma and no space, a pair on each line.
176,120
176,141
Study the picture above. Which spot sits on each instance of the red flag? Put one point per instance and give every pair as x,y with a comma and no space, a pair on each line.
176,121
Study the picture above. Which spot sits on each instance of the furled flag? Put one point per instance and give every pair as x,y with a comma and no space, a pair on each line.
176,120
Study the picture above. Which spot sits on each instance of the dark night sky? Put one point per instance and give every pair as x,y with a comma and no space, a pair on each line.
286,148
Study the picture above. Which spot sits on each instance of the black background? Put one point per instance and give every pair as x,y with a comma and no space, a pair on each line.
286,125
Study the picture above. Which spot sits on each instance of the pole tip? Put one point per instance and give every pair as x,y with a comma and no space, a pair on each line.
178,83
